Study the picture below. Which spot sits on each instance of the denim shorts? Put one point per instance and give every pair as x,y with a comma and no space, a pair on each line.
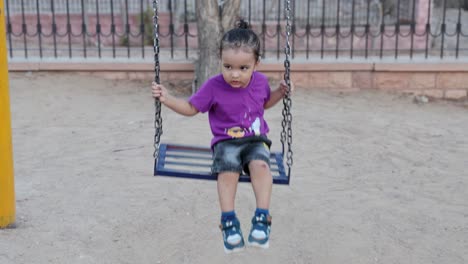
234,155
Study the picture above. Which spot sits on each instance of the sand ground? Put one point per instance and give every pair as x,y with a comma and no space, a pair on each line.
376,179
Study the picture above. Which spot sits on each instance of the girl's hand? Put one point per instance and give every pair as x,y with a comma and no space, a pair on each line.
283,87
159,92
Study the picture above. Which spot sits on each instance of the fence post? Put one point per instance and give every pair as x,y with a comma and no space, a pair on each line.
7,190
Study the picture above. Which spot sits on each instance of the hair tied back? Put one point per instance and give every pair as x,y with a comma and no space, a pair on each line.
241,23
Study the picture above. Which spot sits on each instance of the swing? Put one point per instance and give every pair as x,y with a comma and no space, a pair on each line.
194,162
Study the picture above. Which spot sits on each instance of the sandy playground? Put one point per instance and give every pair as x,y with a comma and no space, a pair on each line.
377,178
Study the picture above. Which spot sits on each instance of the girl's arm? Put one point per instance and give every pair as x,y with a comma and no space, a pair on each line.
178,105
278,94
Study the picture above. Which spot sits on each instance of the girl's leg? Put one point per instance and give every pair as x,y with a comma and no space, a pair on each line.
230,226
262,182
227,188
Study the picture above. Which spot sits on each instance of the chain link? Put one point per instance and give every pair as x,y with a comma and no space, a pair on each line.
286,134
157,104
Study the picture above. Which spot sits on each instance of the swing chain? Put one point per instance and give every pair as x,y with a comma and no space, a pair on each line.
286,134
157,103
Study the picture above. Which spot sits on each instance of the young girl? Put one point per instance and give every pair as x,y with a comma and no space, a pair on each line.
235,101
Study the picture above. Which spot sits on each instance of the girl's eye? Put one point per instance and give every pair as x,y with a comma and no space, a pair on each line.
228,67
244,68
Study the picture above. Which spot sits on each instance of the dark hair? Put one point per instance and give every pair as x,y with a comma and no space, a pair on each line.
242,36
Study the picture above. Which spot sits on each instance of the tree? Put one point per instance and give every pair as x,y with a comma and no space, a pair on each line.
213,18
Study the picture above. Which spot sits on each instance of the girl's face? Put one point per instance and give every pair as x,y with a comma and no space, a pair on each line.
237,67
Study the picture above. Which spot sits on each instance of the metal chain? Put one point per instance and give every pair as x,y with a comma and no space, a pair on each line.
157,103
286,134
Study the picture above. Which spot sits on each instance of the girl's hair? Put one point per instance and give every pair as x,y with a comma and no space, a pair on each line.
241,37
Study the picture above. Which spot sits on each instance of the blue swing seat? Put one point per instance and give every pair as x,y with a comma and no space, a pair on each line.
195,163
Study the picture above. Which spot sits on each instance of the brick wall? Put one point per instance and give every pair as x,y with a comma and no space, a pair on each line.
447,80
438,80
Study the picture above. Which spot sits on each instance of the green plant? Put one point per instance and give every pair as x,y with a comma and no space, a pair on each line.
147,19
124,41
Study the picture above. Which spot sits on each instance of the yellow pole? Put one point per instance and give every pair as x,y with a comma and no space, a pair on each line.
7,188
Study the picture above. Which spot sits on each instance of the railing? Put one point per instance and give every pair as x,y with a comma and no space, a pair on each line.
322,29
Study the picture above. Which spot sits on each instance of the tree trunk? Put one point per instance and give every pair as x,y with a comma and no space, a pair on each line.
209,31
210,25
229,14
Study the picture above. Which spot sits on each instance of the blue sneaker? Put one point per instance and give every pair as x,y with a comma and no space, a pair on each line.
232,236
260,232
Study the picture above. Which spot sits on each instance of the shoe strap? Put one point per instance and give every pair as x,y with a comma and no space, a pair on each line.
264,220
224,225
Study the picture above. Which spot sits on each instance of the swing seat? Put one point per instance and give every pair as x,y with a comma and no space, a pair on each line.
195,163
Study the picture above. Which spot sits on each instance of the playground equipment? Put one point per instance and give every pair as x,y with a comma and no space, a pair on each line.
7,194
195,162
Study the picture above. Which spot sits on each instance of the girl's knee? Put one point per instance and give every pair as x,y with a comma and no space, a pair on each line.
228,175
258,164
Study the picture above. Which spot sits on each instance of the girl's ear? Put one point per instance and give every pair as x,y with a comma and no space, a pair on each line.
256,64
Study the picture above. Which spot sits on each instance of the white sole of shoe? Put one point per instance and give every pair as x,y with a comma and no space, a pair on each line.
234,250
256,244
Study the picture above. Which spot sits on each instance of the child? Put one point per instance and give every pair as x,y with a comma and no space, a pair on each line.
235,101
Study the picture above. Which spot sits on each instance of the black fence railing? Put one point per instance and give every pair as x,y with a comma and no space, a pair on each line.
55,29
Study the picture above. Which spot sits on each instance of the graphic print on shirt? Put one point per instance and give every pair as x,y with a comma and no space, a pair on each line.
255,127
247,126
236,132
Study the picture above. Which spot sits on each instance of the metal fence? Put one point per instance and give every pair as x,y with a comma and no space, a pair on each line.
88,29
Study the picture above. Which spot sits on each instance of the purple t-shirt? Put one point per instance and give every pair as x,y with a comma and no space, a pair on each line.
233,112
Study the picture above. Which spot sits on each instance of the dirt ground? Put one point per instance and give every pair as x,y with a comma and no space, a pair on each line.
377,178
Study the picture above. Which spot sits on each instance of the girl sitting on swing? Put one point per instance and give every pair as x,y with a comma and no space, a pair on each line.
235,101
